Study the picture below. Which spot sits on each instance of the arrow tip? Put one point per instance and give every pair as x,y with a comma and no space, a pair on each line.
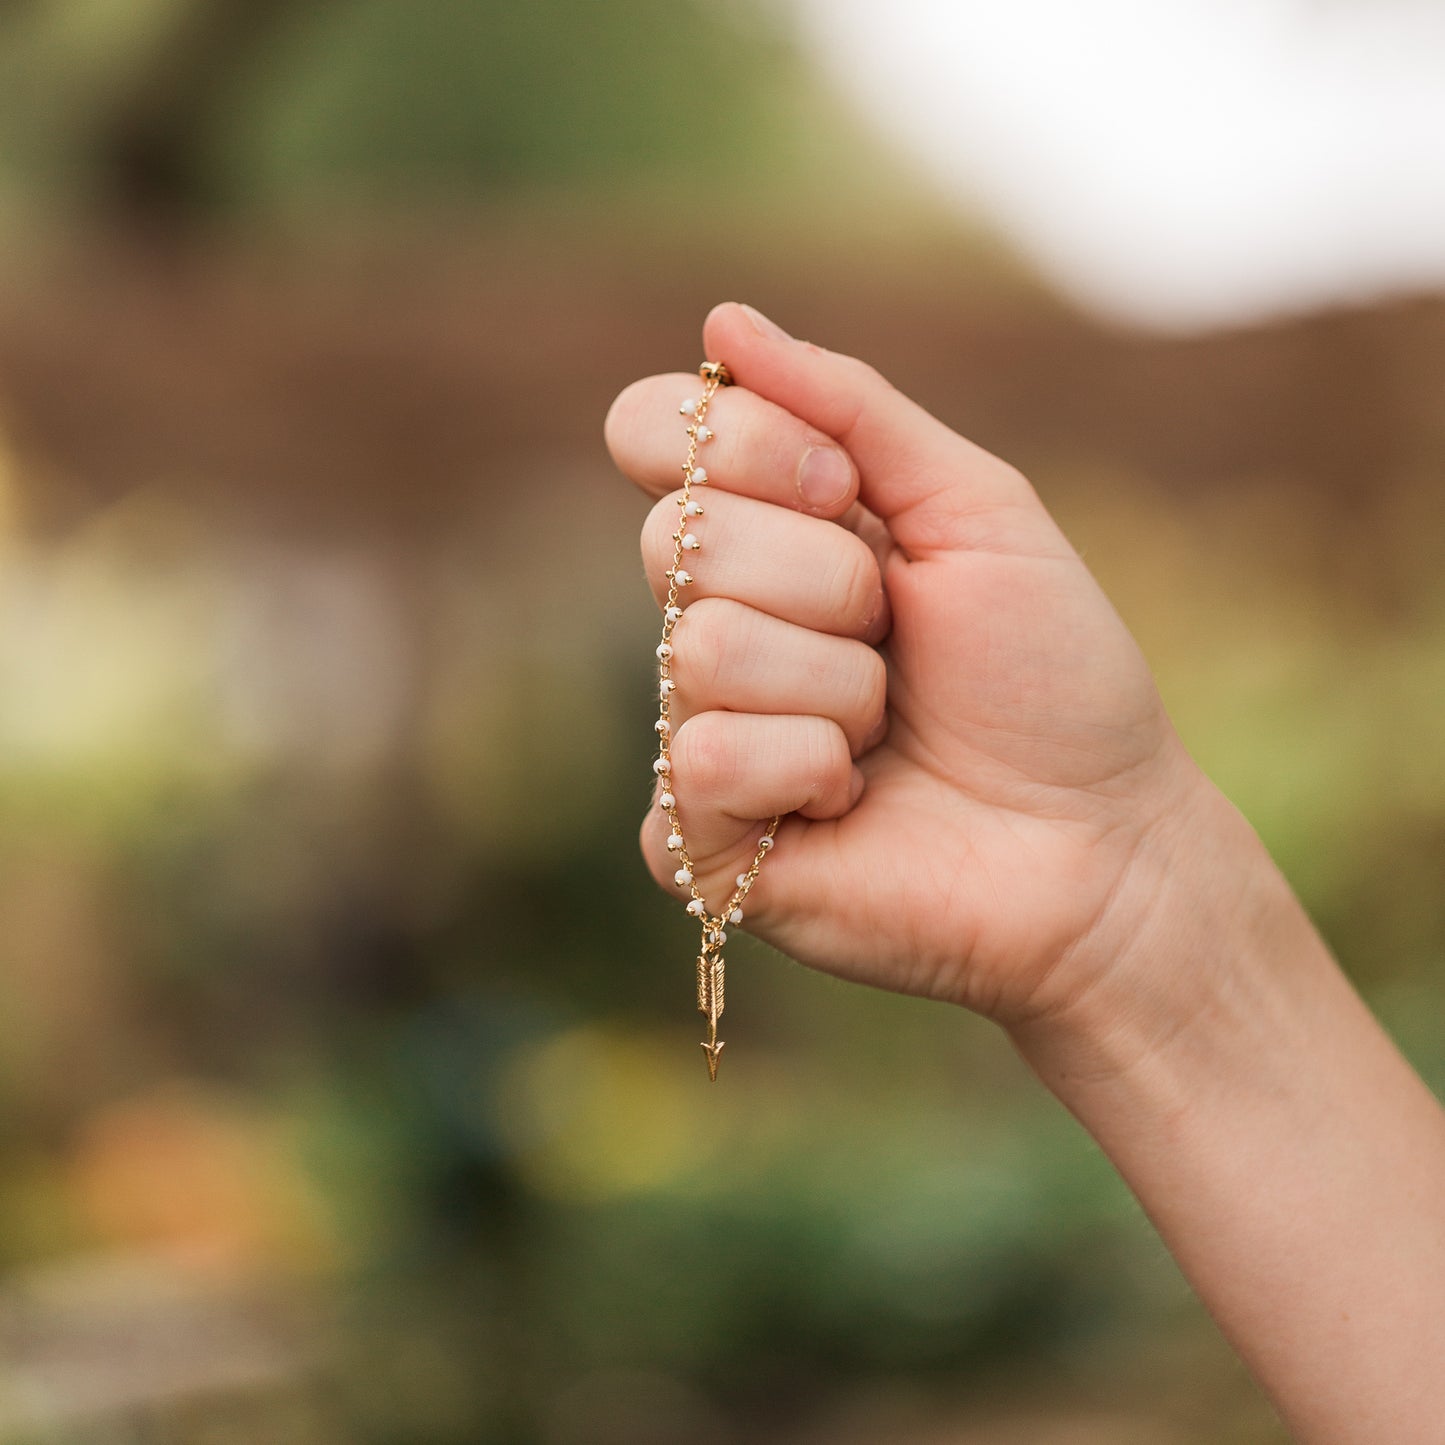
712,1051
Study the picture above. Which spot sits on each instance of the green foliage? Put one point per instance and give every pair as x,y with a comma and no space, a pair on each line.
450,99
191,104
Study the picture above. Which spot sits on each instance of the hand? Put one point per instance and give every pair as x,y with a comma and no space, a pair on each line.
1022,825
962,823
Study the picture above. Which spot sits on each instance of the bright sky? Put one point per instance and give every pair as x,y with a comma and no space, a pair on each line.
1179,163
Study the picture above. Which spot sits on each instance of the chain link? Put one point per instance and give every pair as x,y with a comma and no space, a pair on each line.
714,376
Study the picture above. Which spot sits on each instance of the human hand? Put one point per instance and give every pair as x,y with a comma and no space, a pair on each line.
963,824
1023,833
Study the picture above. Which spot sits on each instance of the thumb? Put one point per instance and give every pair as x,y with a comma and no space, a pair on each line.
933,488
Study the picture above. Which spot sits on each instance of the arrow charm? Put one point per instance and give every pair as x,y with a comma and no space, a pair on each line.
710,1003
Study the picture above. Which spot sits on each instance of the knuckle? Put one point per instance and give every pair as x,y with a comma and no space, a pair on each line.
855,584
860,379
828,756
701,639
863,374
872,685
834,755
620,426
698,629
705,752
877,733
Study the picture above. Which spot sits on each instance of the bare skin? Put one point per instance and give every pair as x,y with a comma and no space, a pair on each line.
894,645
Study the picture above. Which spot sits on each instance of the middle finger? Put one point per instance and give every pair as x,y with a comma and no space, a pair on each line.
802,569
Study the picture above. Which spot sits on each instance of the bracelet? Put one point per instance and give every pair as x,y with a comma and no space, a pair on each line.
709,959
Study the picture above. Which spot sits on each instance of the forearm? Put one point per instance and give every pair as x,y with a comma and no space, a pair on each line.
1289,1156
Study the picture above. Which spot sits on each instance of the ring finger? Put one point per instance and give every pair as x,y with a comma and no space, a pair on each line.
729,657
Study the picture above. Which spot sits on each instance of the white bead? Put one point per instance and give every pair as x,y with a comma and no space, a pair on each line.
742,880
664,651
765,843
703,433
682,877
696,908
663,726
691,543
674,842
683,578
666,686
699,476
662,767
736,916
667,802
719,937
689,407
673,613
693,510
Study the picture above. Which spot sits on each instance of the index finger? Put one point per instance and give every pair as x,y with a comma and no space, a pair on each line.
757,449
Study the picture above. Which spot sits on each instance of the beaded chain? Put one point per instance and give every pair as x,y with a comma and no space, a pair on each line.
709,959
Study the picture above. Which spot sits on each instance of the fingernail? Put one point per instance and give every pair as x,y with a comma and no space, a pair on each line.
763,326
824,477
856,785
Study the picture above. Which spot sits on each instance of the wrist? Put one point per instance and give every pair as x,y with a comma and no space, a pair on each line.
1279,1142
1193,926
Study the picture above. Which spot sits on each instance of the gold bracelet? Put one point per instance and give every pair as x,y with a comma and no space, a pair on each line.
714,933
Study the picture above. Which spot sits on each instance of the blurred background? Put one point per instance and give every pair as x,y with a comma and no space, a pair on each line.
349,1079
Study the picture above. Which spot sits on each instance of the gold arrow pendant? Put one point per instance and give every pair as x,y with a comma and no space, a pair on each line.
710,1003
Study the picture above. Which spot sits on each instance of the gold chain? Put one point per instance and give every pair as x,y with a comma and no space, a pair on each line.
714,933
